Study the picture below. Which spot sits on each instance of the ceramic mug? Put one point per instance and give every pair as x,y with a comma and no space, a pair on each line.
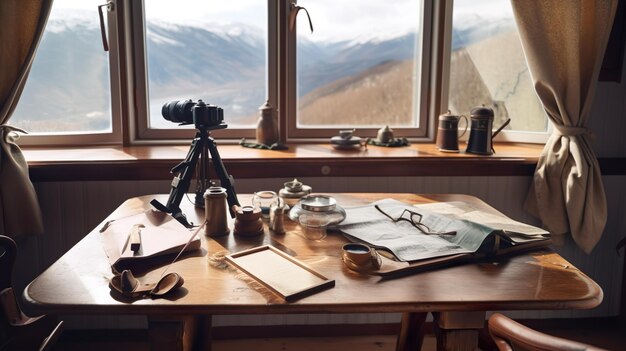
360,257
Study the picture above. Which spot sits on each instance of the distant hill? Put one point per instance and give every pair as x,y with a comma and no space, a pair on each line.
68,86
362,99
321,64
340,82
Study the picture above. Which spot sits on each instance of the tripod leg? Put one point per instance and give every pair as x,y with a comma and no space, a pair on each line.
202,176
180,184
226,181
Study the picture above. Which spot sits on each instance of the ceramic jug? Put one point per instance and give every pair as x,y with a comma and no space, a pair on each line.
267,126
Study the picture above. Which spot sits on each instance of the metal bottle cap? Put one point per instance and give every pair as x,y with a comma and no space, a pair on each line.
318,203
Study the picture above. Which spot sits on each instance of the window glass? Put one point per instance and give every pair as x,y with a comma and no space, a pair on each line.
487,66
68,89
210,50
360,66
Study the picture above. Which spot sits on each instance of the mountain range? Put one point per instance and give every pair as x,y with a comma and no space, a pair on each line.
224,65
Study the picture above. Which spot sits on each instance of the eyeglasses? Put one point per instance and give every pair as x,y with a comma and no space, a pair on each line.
416,220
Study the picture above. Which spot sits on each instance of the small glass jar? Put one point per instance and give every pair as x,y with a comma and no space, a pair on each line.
313,225
265,200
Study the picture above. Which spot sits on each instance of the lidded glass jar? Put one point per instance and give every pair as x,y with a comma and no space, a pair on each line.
293,191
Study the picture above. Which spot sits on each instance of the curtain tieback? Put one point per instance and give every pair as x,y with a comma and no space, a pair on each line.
9,133
572,131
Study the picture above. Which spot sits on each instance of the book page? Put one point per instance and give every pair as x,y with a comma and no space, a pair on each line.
516,231
405,241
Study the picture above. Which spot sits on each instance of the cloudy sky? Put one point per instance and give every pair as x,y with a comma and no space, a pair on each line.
332,19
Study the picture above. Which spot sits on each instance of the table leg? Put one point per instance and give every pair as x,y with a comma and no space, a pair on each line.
179,333
458,331
411,333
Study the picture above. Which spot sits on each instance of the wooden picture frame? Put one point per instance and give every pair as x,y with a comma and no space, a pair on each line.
283,274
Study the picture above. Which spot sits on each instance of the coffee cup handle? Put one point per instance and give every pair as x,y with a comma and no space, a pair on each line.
466,125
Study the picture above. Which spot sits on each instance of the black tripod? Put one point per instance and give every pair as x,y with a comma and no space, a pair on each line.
200,148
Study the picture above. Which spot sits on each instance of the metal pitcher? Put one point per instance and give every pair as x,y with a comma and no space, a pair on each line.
481,137
448,132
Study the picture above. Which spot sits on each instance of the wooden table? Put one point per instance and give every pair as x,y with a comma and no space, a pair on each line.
458,296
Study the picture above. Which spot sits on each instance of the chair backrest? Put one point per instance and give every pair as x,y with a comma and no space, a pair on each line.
17,330
8,251
513,336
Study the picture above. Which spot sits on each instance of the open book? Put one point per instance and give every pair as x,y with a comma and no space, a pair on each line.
160,235
477,233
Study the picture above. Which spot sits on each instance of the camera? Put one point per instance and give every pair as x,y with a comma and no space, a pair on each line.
198,113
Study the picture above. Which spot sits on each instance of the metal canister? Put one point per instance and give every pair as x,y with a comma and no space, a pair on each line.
480,133
215,210
448,132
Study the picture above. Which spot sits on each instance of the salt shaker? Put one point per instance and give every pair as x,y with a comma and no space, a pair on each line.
277,217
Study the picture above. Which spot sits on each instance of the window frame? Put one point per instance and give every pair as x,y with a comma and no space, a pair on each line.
424,100
130,99
139,118
96,138
282,65
447,7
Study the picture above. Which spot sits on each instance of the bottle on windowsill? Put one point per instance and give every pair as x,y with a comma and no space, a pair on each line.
267,126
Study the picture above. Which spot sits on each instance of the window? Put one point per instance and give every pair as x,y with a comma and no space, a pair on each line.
214,51
487,66
373,63
360,68
68,94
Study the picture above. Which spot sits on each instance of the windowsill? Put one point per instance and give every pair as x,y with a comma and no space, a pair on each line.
155,162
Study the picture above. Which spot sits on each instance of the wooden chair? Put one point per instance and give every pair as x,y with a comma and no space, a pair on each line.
17,330
509,335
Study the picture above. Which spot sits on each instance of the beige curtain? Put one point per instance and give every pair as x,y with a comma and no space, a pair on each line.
564,44
21,25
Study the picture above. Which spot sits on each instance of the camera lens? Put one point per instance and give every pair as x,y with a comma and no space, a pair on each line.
178,111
